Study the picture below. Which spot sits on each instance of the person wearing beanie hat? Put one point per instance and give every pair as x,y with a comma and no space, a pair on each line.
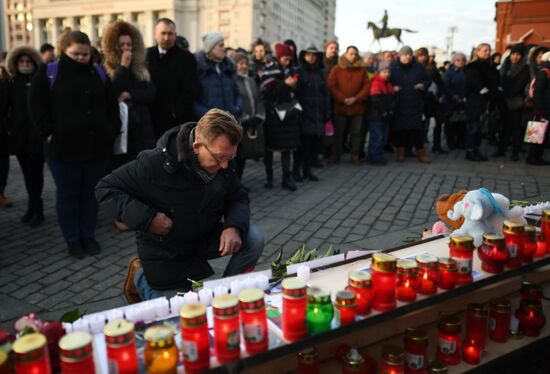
405,50
518,48
282,50
331,57
383,66
210,40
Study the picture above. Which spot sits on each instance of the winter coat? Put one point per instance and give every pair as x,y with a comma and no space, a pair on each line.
514,80
455,89
217,86
79,116
253,105
410,101
541,97
312,93
381,100
161,180
479,75
175,79
328,65
23,135
349,80
434,93
135,80
4,90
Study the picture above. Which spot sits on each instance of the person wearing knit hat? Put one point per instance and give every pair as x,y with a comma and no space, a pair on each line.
383,66
405,50
239,56
282,50
518,48
331,57
210,40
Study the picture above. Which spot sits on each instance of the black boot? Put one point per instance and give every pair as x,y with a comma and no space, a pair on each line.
38,216
91,246
75,249
28,214
296,175
269,179
288,184
309,175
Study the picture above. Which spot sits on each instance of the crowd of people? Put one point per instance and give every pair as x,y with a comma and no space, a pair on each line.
307,104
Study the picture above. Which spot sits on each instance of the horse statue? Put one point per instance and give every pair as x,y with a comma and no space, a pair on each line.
380,33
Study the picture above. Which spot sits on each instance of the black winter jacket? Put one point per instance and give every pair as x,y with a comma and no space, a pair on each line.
161,180
479,75
541,97
175,78
79,117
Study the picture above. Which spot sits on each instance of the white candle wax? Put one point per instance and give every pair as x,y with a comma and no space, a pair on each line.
236,287
81,325
162,307
262,282
205,296
68,327
114,315
303,273
176,303
190,297
220,290
249,283
132,314
97,323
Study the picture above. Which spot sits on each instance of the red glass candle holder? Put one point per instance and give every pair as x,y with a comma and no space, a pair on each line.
437,367
293,319
493,253
345,307
448,342
500,314
416,351
545,227
407,281
5,367
383,281
462,251
471,353
360,282
195,338
476,325
428,273
514,235
447,270
75,353
161,354
540,242
352,361
530,318
530,292
254,320
31,354
308,361
227,333
393,360
121,346
530,247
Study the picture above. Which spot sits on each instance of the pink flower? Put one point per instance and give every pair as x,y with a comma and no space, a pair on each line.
440,228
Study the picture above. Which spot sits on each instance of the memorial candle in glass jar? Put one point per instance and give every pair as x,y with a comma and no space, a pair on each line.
227,334
360,283
437,367
416,351
428,273
194,338
407,282
540,243
530,292
31,354
75,353
476,325
121,346
308,361
293,318
384,280
448,340
161,353
254,320
346,307
514,235
530,243
5,367
393,360
493,253
447,270
319,310
530,317
545,227
353,362
500,314
462,251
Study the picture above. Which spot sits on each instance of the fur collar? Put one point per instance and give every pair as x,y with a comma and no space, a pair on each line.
345,64
14,54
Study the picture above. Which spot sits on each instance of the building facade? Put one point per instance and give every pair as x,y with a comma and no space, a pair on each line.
240,21
525,21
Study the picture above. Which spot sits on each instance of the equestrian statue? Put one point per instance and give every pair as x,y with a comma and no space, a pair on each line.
384,32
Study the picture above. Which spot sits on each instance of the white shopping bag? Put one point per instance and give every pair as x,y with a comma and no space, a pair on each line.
121,142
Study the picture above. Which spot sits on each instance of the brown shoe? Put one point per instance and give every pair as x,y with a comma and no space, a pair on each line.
4,201
130,291
120,225
422,156
400,154
355,159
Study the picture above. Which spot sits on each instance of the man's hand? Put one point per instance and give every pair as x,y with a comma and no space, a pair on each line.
124,95
126,59
419,86
160,225
230,241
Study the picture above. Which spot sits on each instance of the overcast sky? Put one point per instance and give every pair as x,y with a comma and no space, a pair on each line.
431,18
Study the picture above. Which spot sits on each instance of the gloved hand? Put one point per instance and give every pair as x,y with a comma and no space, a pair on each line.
484,91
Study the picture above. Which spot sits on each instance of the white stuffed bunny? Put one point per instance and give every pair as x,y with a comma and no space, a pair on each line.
483,212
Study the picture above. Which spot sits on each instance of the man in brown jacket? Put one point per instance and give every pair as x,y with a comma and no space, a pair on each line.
349,86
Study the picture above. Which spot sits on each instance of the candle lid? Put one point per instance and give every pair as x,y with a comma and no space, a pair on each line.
393,354
511,227
354,359
436,366
160,336
531,232
318,295
447,263
407,266
75,346
345,298
546,214
119,327
360,279
449,324
293,287
501,305
478,310
3,357
308,356
492,238
193,315
427,260
383,262
462,242
251,299
530,289
516,334
539,234
30,347
225,306
416,335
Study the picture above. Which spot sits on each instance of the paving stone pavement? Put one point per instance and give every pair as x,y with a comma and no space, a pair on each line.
351,207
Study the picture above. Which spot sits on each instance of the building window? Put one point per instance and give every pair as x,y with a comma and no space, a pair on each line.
224,18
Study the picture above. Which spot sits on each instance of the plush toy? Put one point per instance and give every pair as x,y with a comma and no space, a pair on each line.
445,203
483,212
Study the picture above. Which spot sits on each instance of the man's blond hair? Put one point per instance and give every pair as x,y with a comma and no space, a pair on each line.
218,122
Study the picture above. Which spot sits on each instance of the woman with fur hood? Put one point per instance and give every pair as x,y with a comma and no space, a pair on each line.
124,55
24,139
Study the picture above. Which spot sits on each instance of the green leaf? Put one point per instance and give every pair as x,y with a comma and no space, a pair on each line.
195,284
71,316
328,252
273,313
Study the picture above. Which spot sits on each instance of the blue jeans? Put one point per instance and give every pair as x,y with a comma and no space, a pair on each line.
378,138
76,204
240,262
473,136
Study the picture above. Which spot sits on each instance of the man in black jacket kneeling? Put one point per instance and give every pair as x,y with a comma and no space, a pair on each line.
186,204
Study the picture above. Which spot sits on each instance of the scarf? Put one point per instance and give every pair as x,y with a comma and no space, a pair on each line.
196,167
